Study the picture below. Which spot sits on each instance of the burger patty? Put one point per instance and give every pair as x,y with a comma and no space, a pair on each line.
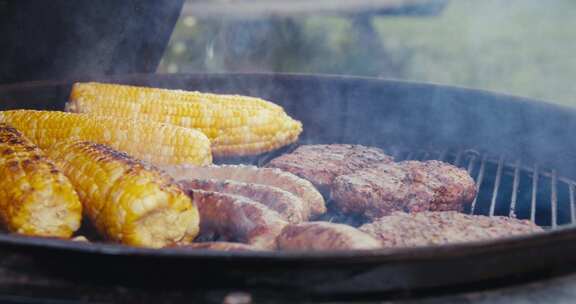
320,164
402,229
411,186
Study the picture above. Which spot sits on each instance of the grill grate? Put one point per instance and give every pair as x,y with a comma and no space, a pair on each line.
507,187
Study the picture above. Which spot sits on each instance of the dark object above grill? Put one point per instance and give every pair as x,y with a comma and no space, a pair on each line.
66,39
516,149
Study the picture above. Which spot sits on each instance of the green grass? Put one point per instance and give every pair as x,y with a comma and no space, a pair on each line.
520,47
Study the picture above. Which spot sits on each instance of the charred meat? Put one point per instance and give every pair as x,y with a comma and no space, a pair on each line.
411,186
438,228
324,236
254,175
237,219
291,207
221,246
320,164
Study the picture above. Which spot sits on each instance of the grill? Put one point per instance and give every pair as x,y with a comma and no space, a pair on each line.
523,168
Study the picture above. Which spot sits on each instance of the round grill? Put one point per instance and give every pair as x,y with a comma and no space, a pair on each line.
521,161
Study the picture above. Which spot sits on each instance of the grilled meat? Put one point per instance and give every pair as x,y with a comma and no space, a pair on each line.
324,236
438,228
221,246
126,200
237,219
301,188
35,196
320,164
411,186
287,204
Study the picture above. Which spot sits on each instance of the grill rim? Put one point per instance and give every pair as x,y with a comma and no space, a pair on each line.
385,254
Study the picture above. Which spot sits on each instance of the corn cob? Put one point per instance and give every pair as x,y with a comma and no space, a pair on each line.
126,200
35,197
150,141
236,125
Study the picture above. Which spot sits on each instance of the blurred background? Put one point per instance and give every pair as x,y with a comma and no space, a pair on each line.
520,47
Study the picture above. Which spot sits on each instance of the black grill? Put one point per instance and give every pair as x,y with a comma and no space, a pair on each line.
516,149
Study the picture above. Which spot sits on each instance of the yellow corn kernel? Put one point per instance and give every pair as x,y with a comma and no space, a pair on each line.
35,197
150,141
236,125
125,199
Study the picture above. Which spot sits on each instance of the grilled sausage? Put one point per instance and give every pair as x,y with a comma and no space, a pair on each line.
251,174
324,236
287,204
221,246
237,219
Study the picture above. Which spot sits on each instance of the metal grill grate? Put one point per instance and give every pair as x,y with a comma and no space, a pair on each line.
509,188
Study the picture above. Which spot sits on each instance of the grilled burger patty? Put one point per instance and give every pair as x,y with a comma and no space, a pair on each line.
411,186
438,228
320,164
324,236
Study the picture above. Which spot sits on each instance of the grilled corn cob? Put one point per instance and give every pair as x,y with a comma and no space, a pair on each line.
35,197
236,125
126,200
150,141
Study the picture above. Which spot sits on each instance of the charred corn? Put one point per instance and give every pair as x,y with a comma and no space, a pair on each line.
35,197
126,200
150,141
236,125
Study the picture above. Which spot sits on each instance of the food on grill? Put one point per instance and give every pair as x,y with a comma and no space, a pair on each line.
236,125
149,141
401,229
320,164
35,197
237,219
251,174
287,204
126,200
222,246
412,186
324,236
